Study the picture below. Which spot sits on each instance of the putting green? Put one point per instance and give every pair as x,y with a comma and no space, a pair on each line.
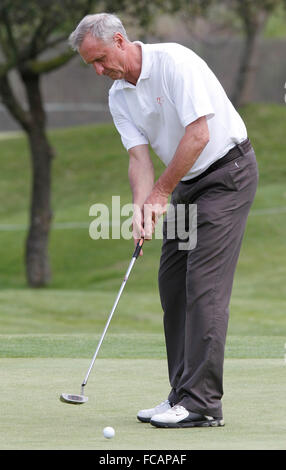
32,416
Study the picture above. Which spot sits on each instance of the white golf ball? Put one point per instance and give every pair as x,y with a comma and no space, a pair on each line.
108,432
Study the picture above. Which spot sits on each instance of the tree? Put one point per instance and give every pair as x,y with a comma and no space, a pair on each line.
245,17
27,30
253,15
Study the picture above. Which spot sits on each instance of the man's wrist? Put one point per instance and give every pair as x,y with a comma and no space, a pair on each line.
161,189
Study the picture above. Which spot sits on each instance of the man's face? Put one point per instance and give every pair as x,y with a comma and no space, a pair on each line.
107,59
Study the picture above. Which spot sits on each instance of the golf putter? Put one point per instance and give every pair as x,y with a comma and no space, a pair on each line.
79,399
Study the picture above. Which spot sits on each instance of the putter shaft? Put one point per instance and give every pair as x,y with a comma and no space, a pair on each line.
134,257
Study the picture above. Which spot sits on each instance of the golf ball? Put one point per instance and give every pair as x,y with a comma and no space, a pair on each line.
108,432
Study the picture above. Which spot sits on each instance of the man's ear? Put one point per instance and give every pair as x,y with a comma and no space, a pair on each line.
119,41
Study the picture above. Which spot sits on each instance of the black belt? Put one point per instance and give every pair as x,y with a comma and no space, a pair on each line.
235,152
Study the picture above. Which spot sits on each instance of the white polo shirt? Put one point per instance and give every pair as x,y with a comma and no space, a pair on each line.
175,88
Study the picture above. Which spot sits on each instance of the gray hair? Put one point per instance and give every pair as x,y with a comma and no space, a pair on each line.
101,25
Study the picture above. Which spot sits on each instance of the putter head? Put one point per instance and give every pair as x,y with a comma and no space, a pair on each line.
73,399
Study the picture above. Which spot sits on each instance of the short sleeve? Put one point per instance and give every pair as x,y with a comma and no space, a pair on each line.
189,90
130,134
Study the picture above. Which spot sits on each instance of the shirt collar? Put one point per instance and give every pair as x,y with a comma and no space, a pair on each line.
146,61
145,68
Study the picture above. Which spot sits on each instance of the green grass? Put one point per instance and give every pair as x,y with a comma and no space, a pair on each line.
49,335
32,417
132,345
91,166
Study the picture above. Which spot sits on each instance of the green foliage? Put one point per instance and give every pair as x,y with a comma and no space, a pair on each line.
238,16
29,28
276,25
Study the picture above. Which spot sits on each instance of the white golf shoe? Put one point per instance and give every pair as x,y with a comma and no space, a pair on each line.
146,415
180,417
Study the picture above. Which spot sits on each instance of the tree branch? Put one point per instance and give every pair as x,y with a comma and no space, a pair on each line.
39,67
9,33
12,104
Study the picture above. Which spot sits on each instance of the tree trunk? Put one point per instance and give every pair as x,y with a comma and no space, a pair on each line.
37,261
245,81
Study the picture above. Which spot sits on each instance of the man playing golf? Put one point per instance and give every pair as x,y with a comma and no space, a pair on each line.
165,96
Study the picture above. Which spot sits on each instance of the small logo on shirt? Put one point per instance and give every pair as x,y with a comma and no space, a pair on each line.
160,100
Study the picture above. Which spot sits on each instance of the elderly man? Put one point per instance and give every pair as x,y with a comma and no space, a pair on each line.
165,96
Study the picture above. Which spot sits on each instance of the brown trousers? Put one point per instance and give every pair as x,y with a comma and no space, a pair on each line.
195,284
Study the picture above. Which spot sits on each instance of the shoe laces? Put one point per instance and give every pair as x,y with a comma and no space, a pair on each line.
178,408
163,403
